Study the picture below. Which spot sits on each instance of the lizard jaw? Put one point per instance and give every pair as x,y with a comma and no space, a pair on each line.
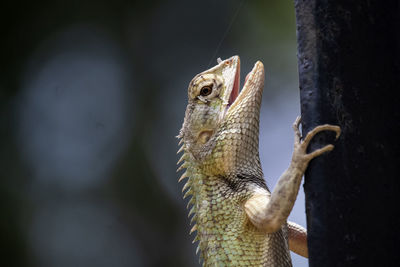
230,72
254,83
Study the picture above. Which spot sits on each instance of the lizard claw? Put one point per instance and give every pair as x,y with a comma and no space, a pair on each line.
296,128
320,151
320,128
301,145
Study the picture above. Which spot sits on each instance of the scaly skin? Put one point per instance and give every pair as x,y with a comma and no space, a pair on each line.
238,221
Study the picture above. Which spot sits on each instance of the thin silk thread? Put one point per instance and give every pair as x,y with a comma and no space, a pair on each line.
226,33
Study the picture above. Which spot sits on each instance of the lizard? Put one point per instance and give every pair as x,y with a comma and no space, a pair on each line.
238,221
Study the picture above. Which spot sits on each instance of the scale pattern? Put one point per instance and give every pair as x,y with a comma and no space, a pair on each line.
222,174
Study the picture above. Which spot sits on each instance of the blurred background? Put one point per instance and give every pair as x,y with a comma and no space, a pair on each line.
92,95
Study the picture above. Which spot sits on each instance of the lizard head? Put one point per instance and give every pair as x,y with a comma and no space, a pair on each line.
221,125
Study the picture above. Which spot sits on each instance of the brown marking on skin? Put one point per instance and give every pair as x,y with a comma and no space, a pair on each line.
249,178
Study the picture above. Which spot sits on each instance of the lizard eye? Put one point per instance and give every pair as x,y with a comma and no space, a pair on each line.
206,90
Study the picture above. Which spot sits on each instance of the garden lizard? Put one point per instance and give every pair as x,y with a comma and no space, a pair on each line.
237,220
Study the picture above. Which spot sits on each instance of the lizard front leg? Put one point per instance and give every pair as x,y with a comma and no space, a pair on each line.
269,212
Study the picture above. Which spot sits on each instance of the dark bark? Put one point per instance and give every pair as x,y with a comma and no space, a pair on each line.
348,54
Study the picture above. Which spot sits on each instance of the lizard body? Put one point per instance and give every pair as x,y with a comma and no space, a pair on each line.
237,220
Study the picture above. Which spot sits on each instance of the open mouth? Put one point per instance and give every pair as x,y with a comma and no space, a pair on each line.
235,91
236,85
254,82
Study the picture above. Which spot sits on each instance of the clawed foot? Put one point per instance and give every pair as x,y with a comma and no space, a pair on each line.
300,146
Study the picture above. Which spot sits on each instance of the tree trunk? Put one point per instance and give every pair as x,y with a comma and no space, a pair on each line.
348,53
